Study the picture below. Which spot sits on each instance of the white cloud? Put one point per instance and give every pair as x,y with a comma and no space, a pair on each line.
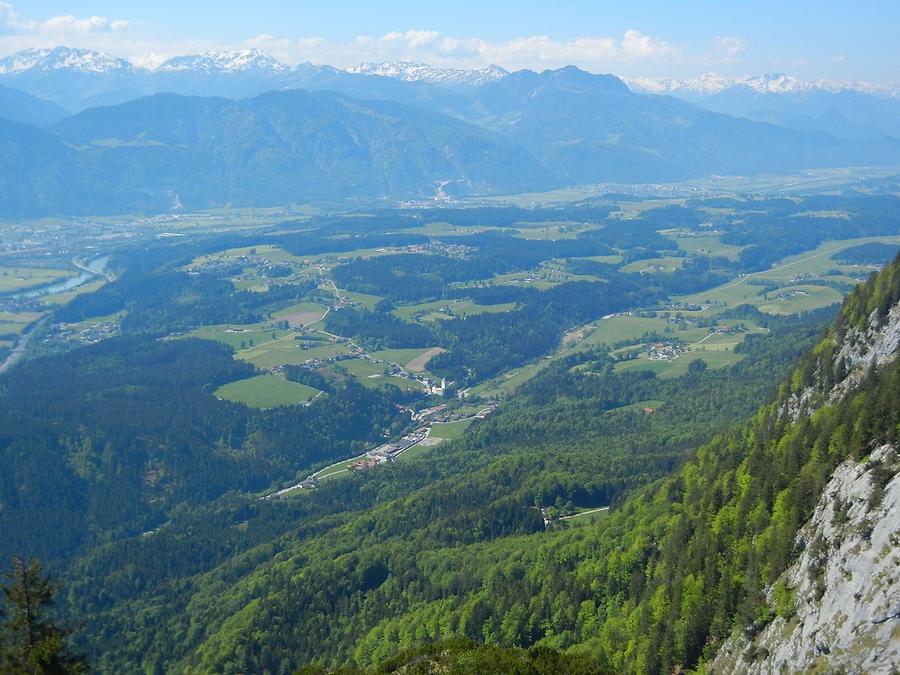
98,32
412,39
636,45
728,48
839,58
73,24
536,51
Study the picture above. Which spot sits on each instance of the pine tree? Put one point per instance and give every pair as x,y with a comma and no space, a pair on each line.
30,642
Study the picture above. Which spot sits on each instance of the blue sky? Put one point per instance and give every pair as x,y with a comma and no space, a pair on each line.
827,39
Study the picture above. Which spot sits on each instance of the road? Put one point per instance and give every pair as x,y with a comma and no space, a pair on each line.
84,268
21,345
585,513
779,267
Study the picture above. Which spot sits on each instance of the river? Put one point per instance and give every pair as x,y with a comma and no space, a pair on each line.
90,270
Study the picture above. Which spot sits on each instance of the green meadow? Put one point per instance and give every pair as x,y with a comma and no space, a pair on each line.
266,391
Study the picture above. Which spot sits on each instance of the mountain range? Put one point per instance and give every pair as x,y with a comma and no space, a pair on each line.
242,128
844,109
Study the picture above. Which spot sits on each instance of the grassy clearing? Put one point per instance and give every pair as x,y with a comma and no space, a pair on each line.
450,430
622,327
446,309
11,328
650,265
267,251
363,299
340,469
410,359
796,299
706,244
301,314
373,375
13,323
266,391
585,516
442,229
23,278
239,336
507,383
552,231
815,264
714,357
608,259
653,404
286,350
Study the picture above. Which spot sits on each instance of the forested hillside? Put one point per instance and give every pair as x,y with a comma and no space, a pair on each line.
194,442
451,544
655,585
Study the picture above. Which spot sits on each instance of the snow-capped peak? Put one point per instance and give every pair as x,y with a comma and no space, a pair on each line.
223,61
422,72
62,58
769,83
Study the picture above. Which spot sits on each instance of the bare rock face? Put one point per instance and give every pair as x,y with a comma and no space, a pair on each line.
839,603
864,349
860,350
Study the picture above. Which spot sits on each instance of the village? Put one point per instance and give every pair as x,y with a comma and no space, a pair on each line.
392,450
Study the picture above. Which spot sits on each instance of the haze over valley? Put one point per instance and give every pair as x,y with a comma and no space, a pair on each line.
406,339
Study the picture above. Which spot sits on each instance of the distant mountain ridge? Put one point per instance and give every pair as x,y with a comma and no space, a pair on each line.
17,106
77,79
243,129
849,110
154,153
768,83
422,72
63,58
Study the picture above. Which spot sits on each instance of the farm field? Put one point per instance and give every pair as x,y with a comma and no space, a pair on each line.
442,229
551,231
667,264
446,309
267,251
707,244
802,298
301,314
450,430
239,336
12,323
614,259
541,279
808,265
714,357
286,350
411,359
622,327
22,278
507,383
362,299
373,374
266,391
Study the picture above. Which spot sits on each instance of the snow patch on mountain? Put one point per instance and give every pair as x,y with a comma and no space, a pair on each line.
245,60
770,83
422,72
63,58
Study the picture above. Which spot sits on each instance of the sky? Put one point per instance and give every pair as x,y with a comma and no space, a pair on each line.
826,39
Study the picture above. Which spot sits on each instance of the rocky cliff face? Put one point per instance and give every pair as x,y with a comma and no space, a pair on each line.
840,601
859,350
837,607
